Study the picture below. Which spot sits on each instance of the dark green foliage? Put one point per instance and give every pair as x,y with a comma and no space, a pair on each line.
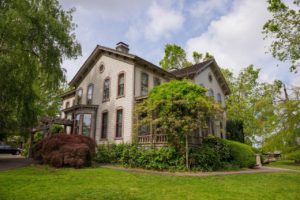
35,37
235,130
241,154
136,156
213,154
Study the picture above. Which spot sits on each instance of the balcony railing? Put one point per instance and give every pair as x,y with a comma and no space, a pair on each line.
153,139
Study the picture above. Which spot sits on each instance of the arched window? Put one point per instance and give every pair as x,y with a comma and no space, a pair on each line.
219,98
106,86
121,83
79,95
90,91
211,92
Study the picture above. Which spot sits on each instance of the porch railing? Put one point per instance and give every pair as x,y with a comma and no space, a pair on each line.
153,139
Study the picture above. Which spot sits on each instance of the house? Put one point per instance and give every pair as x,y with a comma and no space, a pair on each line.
112,81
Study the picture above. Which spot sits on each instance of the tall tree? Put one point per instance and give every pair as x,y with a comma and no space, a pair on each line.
251,102
284,30
174,58
35,37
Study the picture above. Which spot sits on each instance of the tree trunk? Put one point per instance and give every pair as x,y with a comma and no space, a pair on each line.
187,152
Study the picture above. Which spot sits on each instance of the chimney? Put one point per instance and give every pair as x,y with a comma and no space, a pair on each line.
122,47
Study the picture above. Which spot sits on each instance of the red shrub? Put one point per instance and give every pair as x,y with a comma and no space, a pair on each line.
65,150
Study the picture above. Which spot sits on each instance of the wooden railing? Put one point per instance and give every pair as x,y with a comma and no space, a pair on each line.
153,139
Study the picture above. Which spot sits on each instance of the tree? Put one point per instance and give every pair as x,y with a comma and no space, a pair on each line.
177,108
252,102
174,58
285,137
35,37
284,30
198,57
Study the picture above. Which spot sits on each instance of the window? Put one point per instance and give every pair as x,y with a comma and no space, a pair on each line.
156,81
210,78
121,80
144,129
106,89
104,125
67,104
101,68
90,94
119,123
219,98
144,84
77,124
210,93
86,125
79,96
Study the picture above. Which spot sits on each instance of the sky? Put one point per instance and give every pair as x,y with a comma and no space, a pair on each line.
231,30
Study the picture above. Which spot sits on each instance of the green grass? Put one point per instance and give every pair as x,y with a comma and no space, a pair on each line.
287,164
102,183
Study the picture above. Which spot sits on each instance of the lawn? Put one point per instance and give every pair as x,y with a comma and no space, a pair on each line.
287,164
102,183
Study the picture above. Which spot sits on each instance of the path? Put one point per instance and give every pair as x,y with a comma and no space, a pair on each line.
12,161
200,174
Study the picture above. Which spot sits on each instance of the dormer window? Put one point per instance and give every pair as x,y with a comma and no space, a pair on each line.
90,91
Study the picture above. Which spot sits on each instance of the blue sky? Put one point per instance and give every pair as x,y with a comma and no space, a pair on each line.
228,29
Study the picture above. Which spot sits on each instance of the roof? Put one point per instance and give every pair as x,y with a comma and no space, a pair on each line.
68,94
89,63
191,70
199,67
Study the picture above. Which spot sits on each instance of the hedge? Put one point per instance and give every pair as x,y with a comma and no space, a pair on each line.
241,154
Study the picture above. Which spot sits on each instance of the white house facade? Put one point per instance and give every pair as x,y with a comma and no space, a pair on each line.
111,81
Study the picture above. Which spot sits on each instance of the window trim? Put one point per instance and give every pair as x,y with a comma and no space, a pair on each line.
123,95
141,89
101,129
116,125
105,100
87,94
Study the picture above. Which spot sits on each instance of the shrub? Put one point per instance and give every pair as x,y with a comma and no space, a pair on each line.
132,155
295,155
65,150
213,154
241,154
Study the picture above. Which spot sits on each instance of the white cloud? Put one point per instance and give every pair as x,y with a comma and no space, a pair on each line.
161,21
206,10
235,39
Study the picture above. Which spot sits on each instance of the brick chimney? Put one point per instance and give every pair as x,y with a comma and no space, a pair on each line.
122,47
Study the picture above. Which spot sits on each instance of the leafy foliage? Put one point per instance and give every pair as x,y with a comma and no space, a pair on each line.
241,154
284,30
252,102
131,155
212,155
235,130
175,57
177,108
65,150
35,36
